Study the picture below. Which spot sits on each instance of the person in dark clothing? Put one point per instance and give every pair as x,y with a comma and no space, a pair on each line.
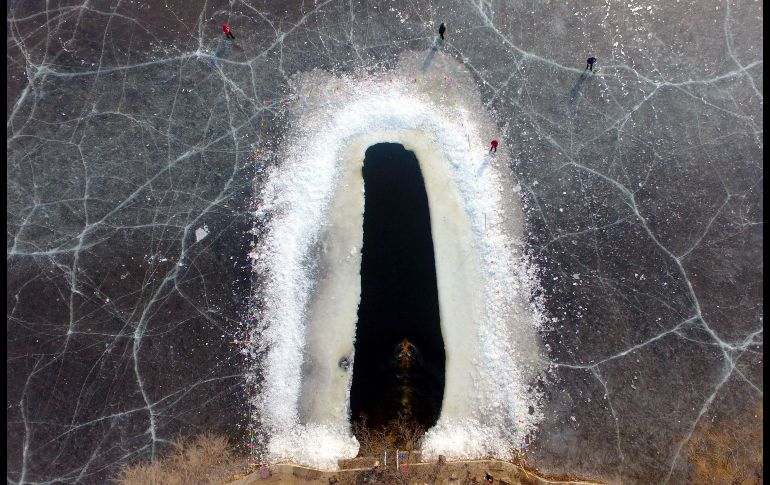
590,63
441,30
488,478
228,32
494,146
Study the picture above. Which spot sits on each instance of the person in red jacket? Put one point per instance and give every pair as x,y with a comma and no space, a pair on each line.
228,32
494,146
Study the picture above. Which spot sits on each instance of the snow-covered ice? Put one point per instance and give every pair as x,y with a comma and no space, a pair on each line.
312,256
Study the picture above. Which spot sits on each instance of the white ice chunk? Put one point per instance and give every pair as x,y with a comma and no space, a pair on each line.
201,232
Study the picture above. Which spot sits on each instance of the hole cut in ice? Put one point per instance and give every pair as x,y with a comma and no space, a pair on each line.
399,349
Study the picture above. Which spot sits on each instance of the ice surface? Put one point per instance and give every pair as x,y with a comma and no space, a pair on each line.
132,124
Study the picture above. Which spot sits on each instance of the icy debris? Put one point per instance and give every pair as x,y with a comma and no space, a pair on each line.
315,445
201,232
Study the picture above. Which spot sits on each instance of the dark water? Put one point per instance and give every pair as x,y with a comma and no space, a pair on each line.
399,298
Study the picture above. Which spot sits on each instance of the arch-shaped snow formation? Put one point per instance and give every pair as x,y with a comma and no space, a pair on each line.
311,257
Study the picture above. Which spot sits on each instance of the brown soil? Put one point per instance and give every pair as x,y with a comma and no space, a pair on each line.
458,472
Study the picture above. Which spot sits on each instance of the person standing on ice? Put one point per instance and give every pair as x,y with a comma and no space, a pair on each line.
494,146
590,63
441,30
228,32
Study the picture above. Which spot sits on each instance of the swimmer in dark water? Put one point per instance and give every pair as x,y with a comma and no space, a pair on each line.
405,354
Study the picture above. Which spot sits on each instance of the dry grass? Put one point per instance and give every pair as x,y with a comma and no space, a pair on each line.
205,459
402,433
728,451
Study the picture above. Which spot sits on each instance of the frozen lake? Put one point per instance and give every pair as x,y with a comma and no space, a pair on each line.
140,143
